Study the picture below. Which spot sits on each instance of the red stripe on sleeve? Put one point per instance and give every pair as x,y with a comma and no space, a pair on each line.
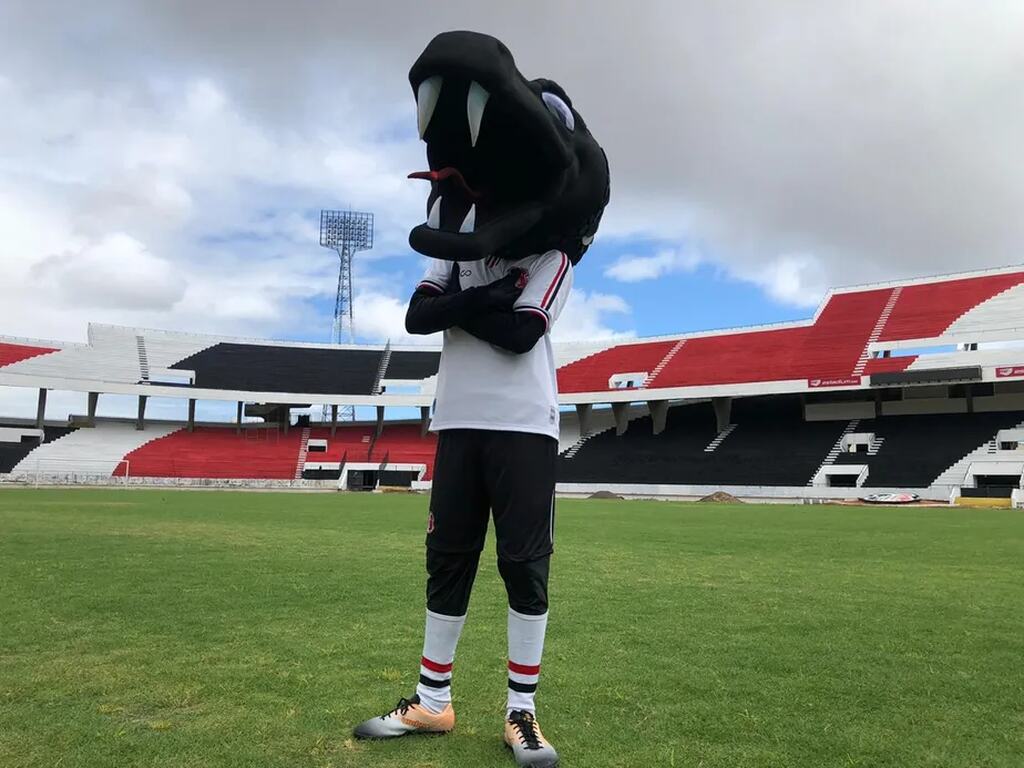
523,669
558,276
433,666
428,284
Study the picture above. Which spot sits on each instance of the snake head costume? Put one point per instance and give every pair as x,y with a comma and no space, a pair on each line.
513,168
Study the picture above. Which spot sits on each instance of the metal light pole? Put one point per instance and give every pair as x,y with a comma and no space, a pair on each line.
345,232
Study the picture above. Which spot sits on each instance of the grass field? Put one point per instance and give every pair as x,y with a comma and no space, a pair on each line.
151,628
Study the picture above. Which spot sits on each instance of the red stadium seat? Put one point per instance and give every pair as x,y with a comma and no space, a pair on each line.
218,453
591,374
267,454
15,353
927,310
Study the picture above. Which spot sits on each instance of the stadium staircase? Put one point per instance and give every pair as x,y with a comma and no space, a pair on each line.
300,462
876,332
575,447
837,448
140,345
385,359
601,420
719,438
955,474
663,362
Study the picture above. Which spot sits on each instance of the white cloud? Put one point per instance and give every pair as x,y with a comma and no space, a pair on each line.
118,272
161,204
635,269
584,317
796,279
380,317
879,139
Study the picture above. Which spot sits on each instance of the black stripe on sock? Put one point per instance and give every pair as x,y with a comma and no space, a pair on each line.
522,687
431,683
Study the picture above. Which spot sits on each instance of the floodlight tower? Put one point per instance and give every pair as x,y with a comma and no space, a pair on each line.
345,232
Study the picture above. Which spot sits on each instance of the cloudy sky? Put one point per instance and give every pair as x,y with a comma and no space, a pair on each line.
163,163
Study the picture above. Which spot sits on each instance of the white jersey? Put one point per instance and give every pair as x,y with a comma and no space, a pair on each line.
480,386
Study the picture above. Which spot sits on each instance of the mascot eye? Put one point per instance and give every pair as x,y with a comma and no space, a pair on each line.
559,109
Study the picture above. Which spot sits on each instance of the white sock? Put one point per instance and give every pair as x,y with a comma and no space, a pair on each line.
525,648
439,641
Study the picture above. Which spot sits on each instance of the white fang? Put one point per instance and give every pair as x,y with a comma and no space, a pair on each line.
426,100
476,101
469,223
434,219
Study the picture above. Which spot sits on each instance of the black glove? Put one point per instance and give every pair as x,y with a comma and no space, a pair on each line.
502,294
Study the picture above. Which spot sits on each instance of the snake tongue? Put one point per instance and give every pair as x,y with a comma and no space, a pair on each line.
448,173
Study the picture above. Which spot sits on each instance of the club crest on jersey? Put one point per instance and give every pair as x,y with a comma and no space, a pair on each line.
430,523
524,278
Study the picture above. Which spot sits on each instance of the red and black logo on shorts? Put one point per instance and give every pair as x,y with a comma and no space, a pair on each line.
430,523
523,279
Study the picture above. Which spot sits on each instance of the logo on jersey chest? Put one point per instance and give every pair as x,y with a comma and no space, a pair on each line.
493,262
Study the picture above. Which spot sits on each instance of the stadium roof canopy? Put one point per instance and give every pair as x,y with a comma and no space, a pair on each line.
956,328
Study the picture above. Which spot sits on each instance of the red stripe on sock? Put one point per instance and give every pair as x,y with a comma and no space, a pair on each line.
433,666
522,669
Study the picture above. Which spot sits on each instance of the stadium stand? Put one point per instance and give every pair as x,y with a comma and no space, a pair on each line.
283,369
18,441
404,444
591,373
771,444
926,310
909,362
916,450
844,340
889,364
89,452
15,353
412,365
218,453
262,453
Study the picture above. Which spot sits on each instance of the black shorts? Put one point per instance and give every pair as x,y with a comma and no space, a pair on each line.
478,471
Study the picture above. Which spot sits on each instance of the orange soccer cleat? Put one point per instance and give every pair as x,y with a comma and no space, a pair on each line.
523,737
408,717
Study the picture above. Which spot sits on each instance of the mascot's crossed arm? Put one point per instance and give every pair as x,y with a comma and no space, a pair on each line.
517,189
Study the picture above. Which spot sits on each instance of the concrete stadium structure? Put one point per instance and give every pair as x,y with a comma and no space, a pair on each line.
915,384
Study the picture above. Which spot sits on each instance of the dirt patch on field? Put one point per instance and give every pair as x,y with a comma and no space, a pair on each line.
721,497
604,495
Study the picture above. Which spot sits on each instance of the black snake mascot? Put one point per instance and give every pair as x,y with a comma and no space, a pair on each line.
517,188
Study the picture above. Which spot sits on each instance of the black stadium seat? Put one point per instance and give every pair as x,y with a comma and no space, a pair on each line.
915,450
265,368
771,445
412,365
12,453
